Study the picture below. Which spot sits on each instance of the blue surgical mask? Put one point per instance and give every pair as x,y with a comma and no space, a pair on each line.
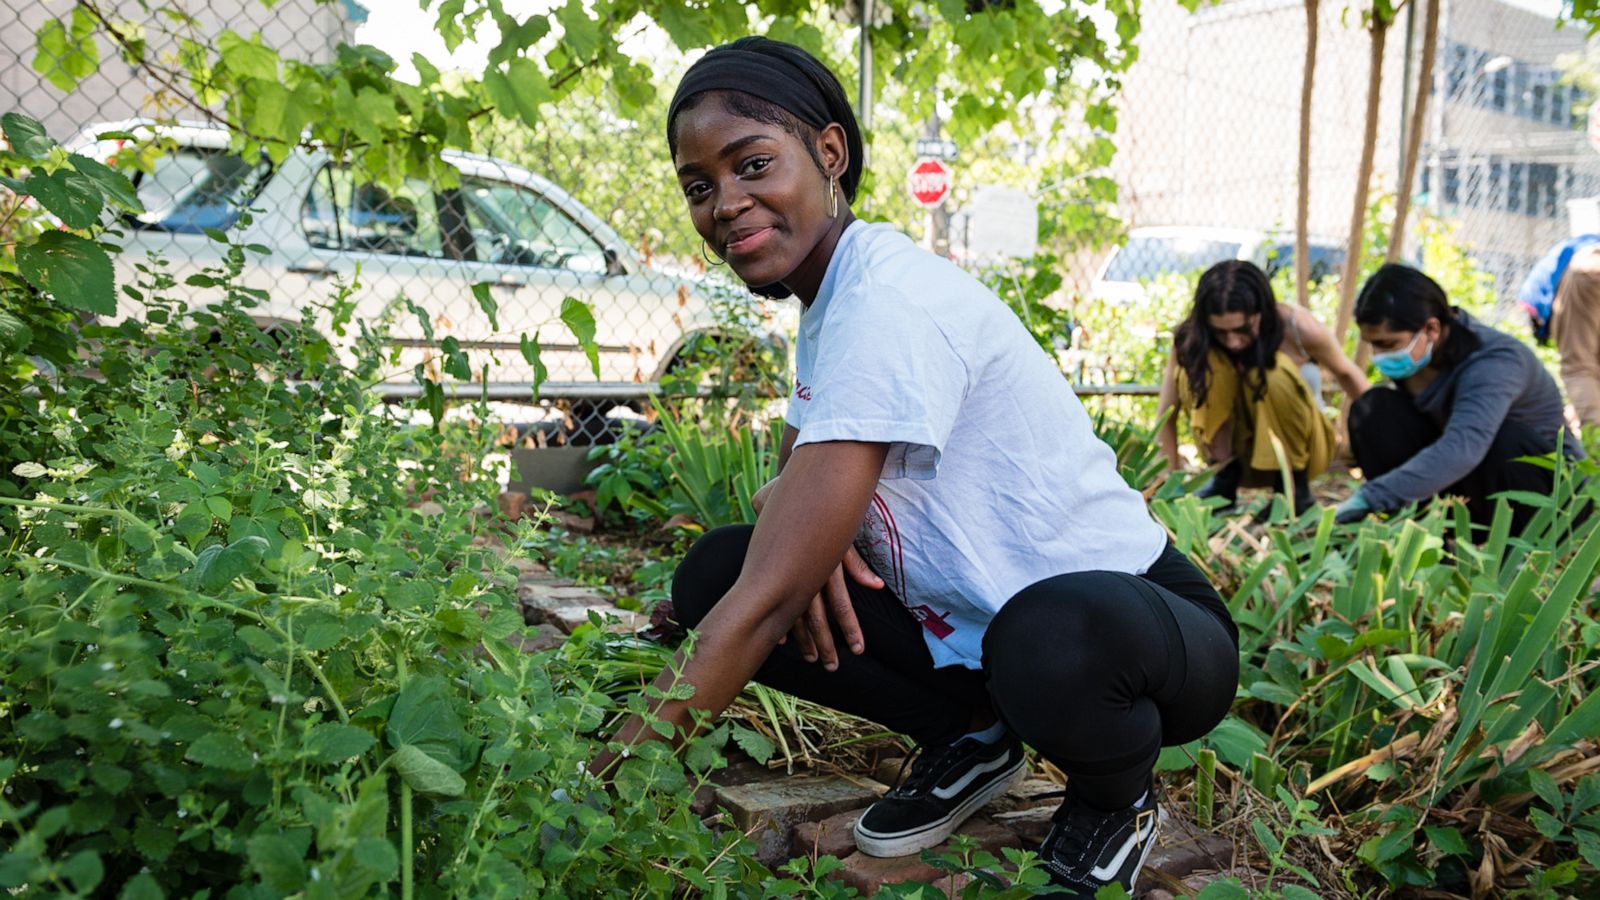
1398,364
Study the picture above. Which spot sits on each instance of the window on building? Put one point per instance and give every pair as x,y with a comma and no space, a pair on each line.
1539,97
1457,69
1500,90
1516,178
1521,102
1542,190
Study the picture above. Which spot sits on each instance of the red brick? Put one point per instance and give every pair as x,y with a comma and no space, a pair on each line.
513,504
867,874
833,836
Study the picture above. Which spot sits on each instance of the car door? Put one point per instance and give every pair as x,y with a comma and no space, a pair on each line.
185,193
393,238
535,255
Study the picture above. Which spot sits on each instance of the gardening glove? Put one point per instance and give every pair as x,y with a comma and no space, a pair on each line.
1354,509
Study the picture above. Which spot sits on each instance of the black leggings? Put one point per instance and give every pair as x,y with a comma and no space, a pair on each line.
1095,670
1387,430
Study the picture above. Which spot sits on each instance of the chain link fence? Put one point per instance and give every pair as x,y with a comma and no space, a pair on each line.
587,207
1210,127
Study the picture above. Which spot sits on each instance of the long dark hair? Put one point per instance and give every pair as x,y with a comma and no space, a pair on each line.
1404,299
1234,286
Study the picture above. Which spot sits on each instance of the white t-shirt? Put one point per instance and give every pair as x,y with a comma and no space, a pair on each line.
995,479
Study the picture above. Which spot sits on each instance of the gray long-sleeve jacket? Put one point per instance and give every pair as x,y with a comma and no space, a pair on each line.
1500,381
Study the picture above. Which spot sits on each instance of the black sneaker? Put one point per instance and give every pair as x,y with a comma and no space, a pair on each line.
1087,849
946,785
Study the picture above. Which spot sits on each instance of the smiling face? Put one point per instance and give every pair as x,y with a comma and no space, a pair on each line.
757,196
1234,331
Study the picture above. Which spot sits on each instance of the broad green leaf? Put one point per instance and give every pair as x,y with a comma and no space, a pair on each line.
247,58
332,742
65,59
153,840
424,718
426,774
73,270
84,870
270,115
279,863
26,135
1236,741
72,197
483,291
1447,840
142,886
519,91
221,751
217,566
754,743
14,333
113,184
577,316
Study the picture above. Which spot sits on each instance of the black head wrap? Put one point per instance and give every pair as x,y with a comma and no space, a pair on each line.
788,78
783,75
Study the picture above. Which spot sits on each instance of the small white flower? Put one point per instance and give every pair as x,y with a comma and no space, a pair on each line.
183,673
116,723
279,698
183,813
106,667
29,470
315,874
227,694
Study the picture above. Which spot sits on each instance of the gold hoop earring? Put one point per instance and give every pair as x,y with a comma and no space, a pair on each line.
833,197
704,252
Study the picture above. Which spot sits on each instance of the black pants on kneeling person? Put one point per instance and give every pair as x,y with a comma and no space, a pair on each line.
1095,670
1387,430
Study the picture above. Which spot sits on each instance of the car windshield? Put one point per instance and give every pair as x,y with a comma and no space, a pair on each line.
191,190
1147,257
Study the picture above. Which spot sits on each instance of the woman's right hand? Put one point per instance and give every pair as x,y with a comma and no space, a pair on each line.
811,632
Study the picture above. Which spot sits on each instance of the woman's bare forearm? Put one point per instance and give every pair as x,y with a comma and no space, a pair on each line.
822,496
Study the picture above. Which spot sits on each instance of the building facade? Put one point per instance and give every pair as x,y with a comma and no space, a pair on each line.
1210,123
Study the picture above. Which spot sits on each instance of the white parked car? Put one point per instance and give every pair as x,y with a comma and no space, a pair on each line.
504,225
1185,250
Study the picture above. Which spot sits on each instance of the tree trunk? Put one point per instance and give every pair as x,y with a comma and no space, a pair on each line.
1302,205
1358,210
1419,120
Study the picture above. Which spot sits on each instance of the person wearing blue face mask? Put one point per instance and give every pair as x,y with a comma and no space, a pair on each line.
1466,403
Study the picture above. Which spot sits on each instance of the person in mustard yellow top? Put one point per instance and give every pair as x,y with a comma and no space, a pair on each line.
1247,369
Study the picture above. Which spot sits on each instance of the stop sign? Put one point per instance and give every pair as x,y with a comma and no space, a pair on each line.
929,181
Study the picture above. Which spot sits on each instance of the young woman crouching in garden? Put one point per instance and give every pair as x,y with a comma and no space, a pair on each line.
948,550
1248,369
1467,404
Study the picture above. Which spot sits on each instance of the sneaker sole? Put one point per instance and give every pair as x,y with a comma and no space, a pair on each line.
905,843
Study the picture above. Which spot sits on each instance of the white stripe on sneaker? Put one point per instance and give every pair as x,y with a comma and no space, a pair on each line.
945,793
1109,871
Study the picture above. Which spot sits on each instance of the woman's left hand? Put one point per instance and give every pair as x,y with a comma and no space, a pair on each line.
811,631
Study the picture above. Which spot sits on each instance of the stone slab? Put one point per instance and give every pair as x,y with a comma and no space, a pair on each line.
769,811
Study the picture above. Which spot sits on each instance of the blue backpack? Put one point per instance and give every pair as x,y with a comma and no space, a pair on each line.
1538,291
